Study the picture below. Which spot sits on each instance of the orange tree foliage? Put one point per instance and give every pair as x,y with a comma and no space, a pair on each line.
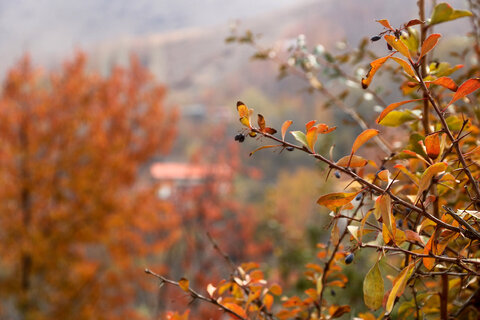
75,222
208,213
416,211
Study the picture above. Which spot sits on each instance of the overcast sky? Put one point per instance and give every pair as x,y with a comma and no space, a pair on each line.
52,28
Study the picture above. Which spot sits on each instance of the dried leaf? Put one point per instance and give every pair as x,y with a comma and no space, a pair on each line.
373,288
413,23
264,147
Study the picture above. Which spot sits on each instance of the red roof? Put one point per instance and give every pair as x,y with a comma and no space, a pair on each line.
185,171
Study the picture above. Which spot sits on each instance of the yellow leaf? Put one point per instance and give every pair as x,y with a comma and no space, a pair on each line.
373,288
427,177
183,284
355,161
398,286
392,107
405,65
398,45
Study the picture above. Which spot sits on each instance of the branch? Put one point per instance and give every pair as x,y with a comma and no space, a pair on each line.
195,295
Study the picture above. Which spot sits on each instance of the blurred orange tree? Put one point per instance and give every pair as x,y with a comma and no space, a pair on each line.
413,205
77,213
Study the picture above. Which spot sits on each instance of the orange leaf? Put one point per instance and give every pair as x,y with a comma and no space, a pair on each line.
384,175
413,236
385,23
183,284
268,301
285,126
405,65
323,128
398,45
236,308
336,200
393,106
465,88
445,82
355,161
429,44
432,144
261,125
310,124
429,263
374,66
362,138
311,137
338,311
276,289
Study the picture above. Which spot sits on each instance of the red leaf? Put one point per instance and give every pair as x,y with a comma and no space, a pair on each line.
413,23
466,88
445,82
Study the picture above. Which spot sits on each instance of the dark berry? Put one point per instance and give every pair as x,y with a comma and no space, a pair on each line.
375,38
389,47
399,223
237,137
241,138
349,258
332,292
358,197
337,174
289,148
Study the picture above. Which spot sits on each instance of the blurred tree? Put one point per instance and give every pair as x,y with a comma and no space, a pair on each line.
75,220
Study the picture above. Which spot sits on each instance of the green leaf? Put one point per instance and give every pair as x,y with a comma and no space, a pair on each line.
373,288
300,137
454,123
444,12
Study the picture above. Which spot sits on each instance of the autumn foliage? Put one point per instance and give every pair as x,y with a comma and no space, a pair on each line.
414,210
77,219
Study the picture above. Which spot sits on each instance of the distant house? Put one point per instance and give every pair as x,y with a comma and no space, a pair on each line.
175,176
